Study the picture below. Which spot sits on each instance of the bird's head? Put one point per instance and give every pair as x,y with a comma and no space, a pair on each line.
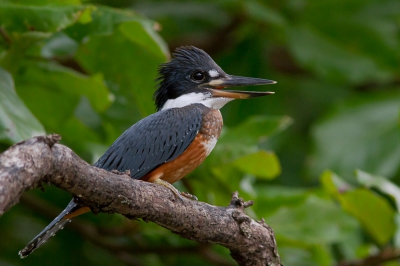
192,76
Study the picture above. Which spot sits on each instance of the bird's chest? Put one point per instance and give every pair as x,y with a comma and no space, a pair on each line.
195,154
200,148
210,130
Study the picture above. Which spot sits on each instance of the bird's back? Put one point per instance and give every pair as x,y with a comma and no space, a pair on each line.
163,137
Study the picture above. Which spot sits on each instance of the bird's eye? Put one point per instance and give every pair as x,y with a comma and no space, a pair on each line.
198,76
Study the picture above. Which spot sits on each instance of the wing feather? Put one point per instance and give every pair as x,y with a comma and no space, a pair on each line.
154,140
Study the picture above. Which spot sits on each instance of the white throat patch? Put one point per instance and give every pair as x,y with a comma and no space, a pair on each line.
193,97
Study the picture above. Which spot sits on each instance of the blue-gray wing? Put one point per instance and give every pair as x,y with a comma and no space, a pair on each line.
152,141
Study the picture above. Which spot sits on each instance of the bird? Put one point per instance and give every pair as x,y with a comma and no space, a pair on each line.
169,144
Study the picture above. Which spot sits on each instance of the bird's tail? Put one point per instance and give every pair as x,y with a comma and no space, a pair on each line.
56,225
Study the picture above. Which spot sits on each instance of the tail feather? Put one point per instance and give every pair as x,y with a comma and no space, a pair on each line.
56,225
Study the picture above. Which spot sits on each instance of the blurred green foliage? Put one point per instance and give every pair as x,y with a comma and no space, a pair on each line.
86,70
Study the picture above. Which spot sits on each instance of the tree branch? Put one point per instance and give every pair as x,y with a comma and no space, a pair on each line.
40,159
383,256
125,251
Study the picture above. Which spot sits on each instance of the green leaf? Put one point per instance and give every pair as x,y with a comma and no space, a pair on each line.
360,27
237,144
67,81
270,198
16,121
326,57
262,164
49,106
20,18
233,145
241,143
305,255
143,34
381,183
77,135
103,20
126,65
254,130
388,188
315,221
13,58
396,237
45,2
362,133
372,211
264,13
53,93
59,45
333,184
244,139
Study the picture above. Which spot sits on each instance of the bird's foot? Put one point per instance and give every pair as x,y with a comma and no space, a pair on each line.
189,196
170,187
177,193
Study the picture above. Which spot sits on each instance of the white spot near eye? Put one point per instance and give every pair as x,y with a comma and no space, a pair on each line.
213,73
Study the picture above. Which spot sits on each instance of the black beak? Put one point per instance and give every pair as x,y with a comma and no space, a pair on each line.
237,81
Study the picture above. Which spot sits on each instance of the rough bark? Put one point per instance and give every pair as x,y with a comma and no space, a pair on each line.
40,159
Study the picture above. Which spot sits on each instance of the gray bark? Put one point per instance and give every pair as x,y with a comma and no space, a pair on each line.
40,159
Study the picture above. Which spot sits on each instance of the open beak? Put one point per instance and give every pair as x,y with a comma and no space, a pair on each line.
237,81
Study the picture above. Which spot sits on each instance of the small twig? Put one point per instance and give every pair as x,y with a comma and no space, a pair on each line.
385,255
5,35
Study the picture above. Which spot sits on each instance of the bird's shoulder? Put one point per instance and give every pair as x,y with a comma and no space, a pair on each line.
156,139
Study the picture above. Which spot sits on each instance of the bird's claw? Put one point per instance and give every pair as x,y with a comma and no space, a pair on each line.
189,196
176,192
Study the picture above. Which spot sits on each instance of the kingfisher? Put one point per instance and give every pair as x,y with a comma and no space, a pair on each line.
169,144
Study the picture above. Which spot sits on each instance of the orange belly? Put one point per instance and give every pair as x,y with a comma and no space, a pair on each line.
194,155
189,160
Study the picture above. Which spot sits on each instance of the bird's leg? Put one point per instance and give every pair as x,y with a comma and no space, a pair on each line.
188,195
177,193
168,185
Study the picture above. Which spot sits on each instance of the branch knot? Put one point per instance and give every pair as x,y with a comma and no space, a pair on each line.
51,139
272,237
239,203
244,222
239,215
